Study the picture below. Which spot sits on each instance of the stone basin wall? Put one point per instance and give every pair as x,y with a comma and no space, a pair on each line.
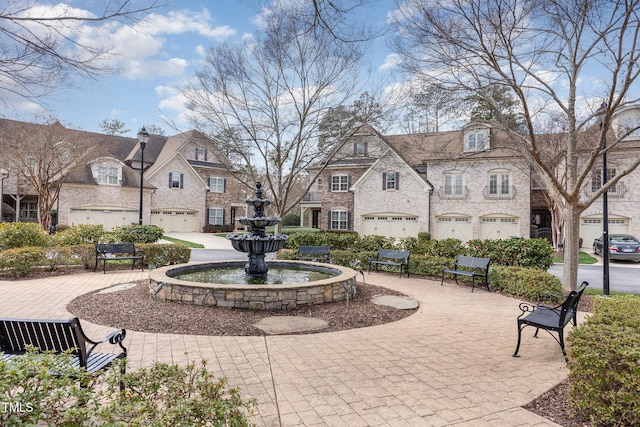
252,297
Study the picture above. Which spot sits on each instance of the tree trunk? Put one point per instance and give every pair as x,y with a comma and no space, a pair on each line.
571,227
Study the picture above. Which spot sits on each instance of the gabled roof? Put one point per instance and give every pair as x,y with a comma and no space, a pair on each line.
389,152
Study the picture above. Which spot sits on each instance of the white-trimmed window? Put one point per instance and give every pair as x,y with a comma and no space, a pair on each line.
216,216
339,219
454,184
217,185
340,183
176,180
390,181
596,180
476,140
107,175
499,184
201,154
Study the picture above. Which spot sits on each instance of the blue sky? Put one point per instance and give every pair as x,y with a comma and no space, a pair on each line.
156,57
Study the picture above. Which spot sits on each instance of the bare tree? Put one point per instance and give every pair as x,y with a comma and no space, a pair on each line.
44,156
541,51
40,48
269,95
431,107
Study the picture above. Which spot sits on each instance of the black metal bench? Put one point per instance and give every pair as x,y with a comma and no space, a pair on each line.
58,336
313,253
391,257
469,266
550,319
116,252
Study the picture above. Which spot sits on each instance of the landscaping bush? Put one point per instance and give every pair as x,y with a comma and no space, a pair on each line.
528,283
210,228
424,235
164,254
22,234
604,363
19,262
138,233
291,219
79,235
161,395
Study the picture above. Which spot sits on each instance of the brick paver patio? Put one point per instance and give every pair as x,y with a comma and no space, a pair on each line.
448,364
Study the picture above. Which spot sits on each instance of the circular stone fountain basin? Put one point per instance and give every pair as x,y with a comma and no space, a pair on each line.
164,284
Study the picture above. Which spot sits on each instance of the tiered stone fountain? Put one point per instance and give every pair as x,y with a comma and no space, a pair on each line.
258,242
256,284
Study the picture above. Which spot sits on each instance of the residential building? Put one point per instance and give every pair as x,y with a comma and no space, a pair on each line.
464,184
187,183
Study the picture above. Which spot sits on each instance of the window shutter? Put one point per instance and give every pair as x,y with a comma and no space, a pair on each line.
331,184
224,216
224,185
348,182
209,182
384,181
181,180
348,220
329,221
397,180
209,216
206,155
170,176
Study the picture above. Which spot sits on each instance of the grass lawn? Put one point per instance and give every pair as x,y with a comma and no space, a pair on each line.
583,258
183,242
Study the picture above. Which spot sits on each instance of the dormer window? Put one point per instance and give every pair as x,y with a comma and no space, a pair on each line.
476,138
107,172
107,175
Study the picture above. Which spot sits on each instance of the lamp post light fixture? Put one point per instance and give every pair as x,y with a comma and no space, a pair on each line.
143,138
605,208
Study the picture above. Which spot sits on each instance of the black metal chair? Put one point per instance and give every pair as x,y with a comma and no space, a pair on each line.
550,319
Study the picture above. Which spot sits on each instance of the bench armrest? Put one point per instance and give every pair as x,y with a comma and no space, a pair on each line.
114,337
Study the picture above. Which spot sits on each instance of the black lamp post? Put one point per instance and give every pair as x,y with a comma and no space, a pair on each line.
143,138
605,210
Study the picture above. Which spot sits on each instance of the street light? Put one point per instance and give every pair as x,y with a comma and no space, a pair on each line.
143,138
605,208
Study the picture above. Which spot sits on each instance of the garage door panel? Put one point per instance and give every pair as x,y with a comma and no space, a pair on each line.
396,226
453,227
175,221
108,218
498,228
591,228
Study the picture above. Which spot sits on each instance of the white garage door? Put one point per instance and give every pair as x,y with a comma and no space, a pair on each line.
176,221
496,228
390,225
453,227
110,218
591,227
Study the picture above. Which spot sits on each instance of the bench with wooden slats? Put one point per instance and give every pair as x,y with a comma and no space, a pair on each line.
59,336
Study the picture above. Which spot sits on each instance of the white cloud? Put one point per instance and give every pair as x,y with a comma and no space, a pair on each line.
390,62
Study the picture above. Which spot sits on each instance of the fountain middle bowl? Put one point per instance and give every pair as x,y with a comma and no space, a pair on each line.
166,287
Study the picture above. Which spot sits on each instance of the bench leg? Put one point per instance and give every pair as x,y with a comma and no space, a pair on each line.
520,327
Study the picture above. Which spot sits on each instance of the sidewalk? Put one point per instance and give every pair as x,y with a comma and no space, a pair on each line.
449,364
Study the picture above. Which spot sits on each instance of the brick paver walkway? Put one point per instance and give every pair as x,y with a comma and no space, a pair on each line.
448,364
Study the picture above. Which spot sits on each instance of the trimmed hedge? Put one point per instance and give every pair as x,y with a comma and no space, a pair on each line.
604,363
23,261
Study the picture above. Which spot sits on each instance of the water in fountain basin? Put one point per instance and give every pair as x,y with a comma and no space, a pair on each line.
234,275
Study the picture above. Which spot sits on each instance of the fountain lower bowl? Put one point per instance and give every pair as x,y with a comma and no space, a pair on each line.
165,287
